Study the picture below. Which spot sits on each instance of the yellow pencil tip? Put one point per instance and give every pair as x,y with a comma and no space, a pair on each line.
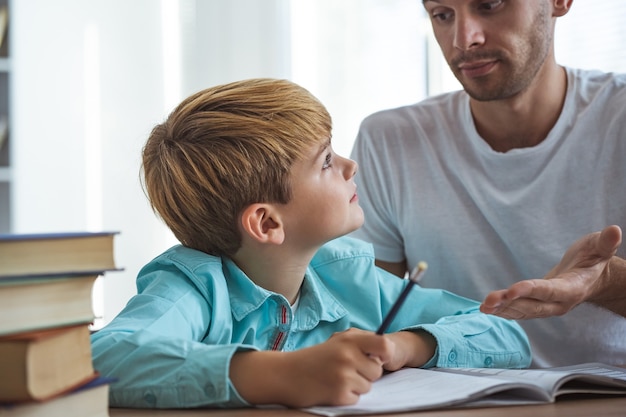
422,265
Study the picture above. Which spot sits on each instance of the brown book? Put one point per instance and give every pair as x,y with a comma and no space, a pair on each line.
89,400
43,364
44,302
56,253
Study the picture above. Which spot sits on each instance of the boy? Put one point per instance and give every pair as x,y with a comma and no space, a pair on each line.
264,302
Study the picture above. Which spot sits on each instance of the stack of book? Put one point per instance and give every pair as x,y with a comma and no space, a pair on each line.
46,308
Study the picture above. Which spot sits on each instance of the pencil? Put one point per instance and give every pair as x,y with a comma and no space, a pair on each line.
415,277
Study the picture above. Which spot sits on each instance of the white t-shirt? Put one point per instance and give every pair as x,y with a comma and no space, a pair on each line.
433,190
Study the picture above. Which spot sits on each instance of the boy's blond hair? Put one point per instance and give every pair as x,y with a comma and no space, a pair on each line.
225,148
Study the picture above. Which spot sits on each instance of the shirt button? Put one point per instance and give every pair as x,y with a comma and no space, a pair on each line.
488,361
452,356
209,389
150,399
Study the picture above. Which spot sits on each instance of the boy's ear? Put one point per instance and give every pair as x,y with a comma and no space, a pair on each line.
262,223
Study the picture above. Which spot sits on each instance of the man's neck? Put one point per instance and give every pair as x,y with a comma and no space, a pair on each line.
525,119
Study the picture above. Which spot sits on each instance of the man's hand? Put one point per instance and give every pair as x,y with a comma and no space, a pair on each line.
582,275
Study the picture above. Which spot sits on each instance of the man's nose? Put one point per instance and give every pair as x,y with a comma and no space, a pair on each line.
468,32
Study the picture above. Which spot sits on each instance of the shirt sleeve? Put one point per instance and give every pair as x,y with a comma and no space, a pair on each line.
468,338
465,336
154,348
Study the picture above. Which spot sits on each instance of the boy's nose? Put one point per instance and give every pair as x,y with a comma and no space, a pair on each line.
351,169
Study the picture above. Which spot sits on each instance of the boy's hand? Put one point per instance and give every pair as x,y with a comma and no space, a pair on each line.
335,372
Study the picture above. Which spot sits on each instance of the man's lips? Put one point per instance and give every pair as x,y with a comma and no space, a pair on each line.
476,69
354,198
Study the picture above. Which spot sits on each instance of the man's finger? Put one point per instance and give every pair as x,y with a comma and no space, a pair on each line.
524,309
609,241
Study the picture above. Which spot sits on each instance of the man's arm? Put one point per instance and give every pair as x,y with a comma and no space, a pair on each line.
588,272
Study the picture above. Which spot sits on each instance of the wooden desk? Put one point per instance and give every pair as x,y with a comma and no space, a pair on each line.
583,407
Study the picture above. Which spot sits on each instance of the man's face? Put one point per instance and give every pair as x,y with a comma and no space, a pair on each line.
494,47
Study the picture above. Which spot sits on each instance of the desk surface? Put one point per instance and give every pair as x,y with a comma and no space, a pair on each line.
582,407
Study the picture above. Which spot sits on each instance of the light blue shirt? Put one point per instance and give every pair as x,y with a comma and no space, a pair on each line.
171,345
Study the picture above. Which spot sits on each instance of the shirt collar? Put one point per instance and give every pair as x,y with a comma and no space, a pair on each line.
316,302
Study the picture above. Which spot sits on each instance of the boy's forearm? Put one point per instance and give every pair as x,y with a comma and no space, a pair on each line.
417,348
258,376
611,291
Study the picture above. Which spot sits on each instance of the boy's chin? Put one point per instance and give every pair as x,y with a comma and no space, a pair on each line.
360,221
348,231
357,226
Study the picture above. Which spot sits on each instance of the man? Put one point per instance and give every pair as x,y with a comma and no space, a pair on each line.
494,183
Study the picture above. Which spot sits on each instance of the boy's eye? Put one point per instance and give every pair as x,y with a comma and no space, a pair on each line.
327,161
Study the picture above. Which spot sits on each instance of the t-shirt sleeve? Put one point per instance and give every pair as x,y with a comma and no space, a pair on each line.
375,188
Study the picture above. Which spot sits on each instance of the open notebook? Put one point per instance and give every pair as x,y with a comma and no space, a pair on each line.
421,389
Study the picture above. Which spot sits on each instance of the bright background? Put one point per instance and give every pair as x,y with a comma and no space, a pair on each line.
90,78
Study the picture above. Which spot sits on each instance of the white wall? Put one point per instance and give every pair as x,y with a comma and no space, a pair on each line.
90,80
358,57
91,77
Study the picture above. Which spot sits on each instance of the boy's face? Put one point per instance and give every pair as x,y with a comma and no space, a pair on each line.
494,47
324,203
